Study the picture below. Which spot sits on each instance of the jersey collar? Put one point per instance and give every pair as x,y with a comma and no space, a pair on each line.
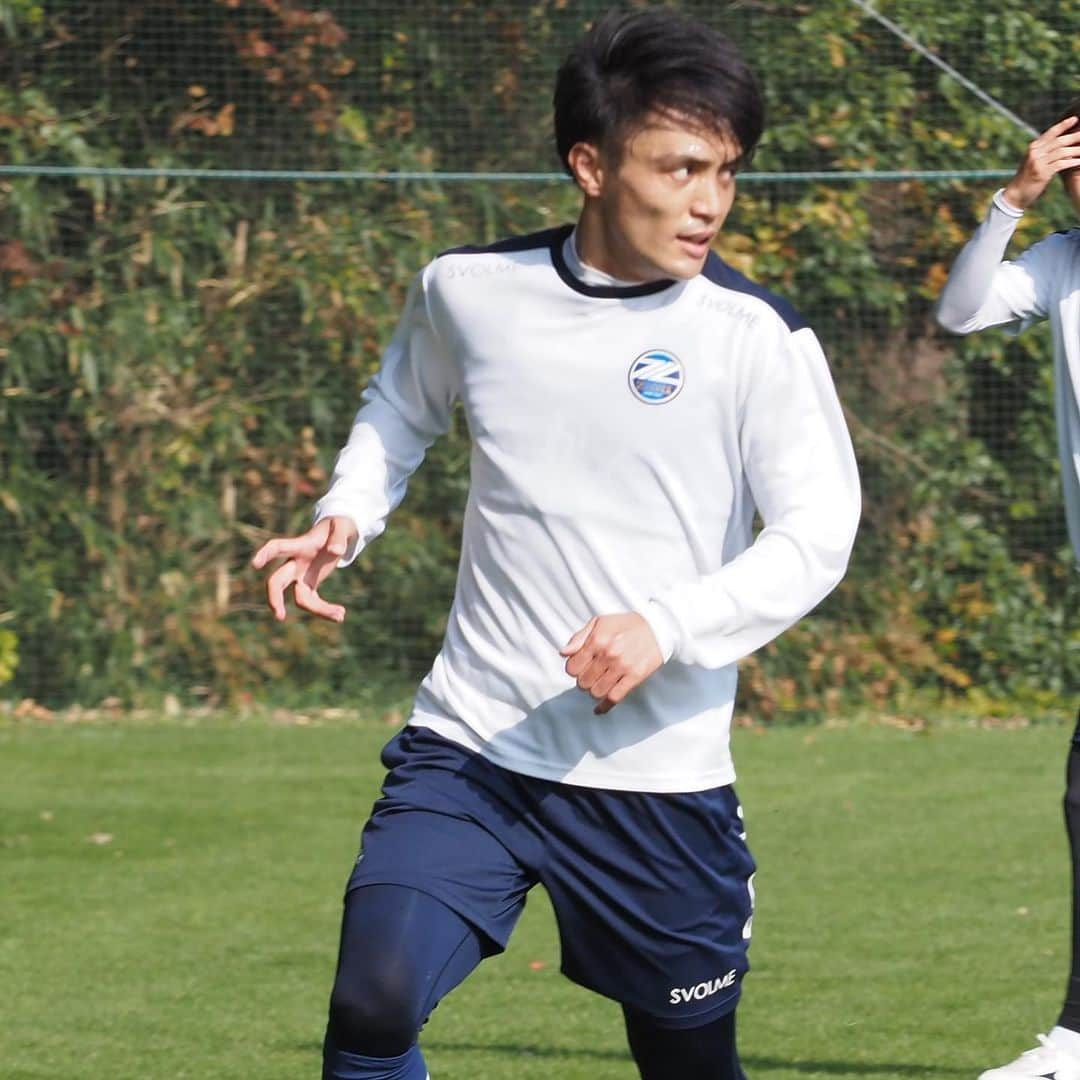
562,247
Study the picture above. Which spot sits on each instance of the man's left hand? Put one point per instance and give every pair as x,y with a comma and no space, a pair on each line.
611,655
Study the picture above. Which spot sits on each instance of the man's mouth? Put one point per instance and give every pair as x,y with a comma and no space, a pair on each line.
697,244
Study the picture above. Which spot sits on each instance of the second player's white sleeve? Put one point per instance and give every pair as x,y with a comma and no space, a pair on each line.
407,405
801,471
984,291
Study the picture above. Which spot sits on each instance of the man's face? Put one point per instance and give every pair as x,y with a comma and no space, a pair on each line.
663,200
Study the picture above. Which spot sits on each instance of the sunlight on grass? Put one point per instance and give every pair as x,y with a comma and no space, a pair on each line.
171,895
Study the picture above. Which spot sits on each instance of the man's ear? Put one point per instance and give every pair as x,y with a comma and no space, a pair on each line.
587,166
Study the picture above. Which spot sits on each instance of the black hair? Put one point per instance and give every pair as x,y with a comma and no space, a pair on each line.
654,60
1072,109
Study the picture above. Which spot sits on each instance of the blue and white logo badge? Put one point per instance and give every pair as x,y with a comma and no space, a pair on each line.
656,377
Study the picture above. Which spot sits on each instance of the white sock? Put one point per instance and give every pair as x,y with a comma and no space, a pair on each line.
1066,1039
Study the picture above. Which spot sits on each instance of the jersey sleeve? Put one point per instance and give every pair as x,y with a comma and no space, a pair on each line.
406,406
800,468
984,291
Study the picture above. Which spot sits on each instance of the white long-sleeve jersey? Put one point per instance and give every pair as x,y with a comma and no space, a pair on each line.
1043,283
622,438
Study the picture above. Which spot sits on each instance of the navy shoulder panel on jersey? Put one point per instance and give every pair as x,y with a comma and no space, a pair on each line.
546,238
718,272
553,240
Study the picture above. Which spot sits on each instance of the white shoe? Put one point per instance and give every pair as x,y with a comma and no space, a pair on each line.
1045,1062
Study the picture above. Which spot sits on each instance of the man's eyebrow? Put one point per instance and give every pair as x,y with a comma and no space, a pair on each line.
674,159
678,158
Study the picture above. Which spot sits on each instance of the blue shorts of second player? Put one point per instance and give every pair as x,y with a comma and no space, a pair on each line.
652,893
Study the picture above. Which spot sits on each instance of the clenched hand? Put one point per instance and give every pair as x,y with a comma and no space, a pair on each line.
611,655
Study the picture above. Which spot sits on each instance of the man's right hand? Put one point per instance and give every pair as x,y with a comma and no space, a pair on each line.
1054,151
311,559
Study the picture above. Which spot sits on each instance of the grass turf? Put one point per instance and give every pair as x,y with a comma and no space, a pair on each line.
169,897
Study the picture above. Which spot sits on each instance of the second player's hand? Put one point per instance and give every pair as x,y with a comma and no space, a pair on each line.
310,559
1054,151
610,655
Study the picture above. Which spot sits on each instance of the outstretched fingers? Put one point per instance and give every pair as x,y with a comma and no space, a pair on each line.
305,580
309,560
277,583
308,598
281,547
339,537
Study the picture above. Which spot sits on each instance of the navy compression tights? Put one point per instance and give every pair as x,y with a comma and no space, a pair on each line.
1070,1013
402,950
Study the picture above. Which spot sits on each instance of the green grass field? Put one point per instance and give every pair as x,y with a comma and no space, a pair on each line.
169,896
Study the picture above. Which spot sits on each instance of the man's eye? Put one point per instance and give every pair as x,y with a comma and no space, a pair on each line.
681,173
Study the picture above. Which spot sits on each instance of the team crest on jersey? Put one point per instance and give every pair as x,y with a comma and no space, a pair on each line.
656,377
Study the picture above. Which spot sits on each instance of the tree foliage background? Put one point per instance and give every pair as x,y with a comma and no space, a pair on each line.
181,357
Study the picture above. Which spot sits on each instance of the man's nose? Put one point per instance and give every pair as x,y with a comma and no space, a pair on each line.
707,201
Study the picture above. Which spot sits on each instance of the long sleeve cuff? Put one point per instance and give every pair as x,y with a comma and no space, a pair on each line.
1005,206
663,626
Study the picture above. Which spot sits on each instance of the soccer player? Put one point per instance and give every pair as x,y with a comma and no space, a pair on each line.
632,401
1043,283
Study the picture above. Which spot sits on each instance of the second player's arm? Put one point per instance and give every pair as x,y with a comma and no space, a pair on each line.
983,290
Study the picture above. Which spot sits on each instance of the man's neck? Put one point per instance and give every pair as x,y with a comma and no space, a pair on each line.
594,250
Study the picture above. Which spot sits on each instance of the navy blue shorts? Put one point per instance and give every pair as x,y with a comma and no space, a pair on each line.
652,892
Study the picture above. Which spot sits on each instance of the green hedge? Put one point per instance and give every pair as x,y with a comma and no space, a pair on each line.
181,359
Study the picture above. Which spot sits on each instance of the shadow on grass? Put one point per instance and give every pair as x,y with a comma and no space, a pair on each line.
851,1068
439,1046
750,1061
435,1046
